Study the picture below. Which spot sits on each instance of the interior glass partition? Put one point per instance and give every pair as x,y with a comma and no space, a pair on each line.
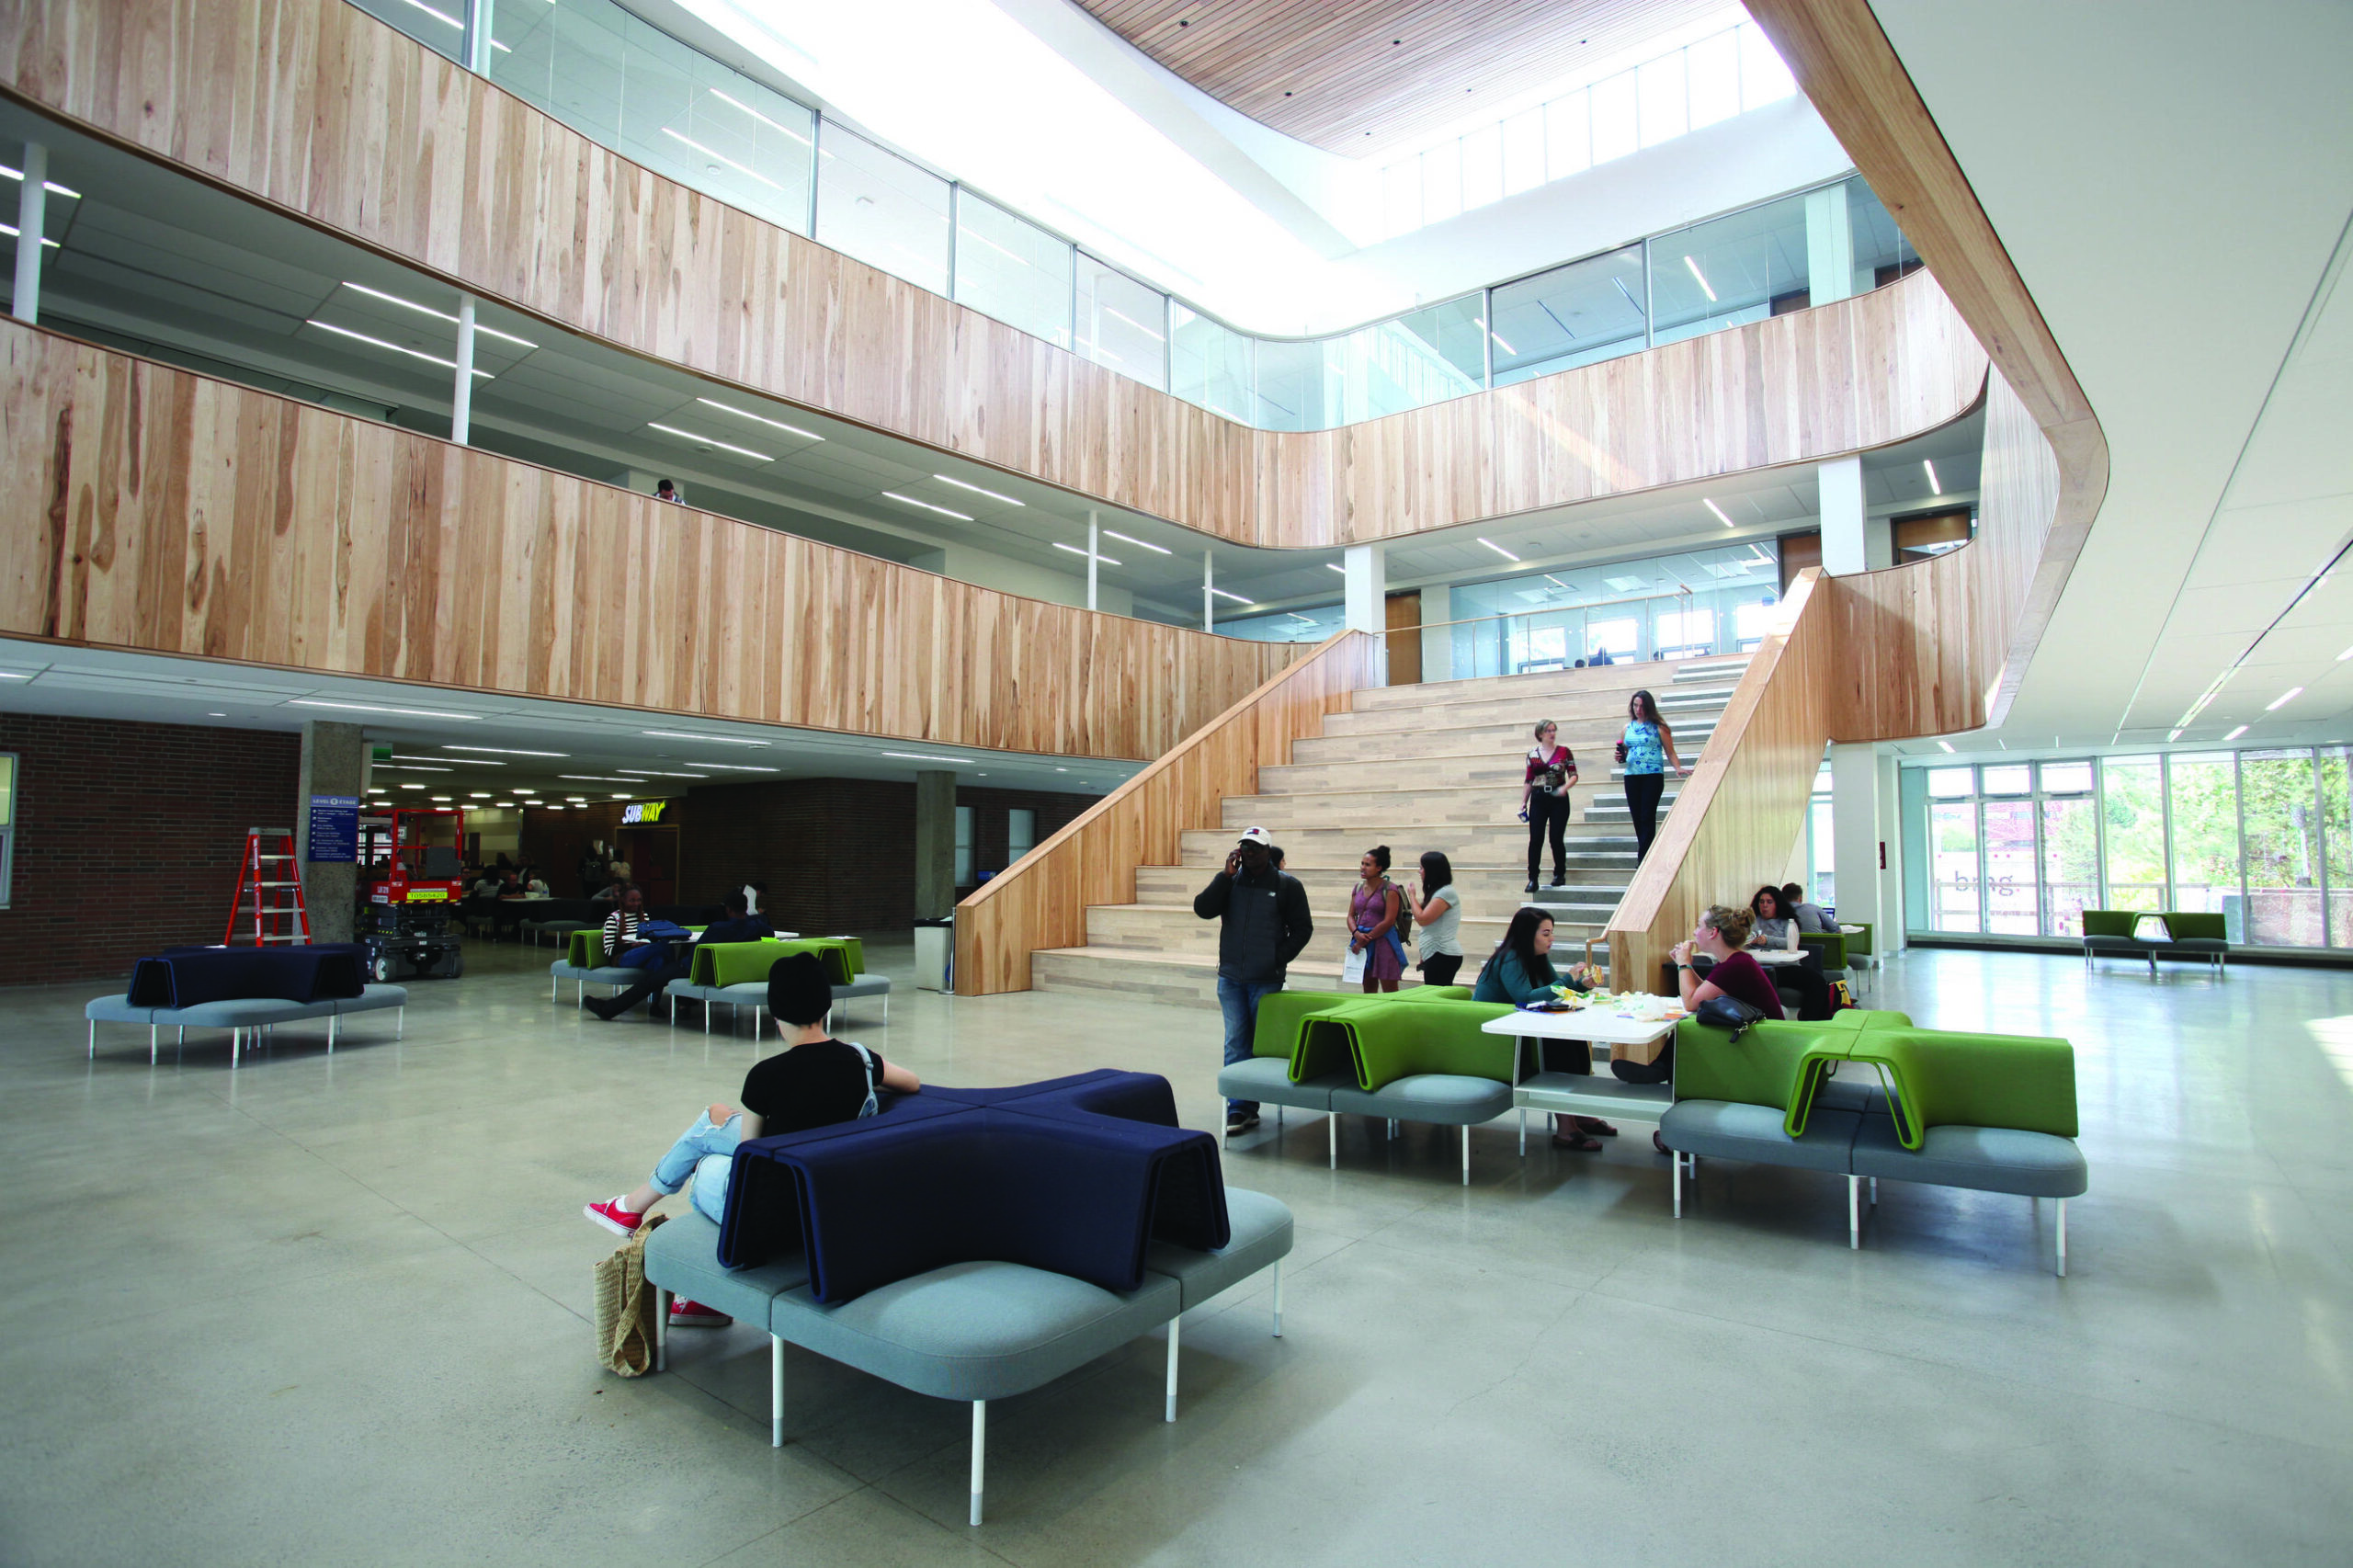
1121,324
1740,268
876,206
1213,365
1012,269
1578,314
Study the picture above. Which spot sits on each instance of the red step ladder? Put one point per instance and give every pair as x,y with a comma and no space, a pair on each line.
269,892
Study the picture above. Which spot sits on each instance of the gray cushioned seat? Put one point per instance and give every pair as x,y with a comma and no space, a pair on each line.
1267,1079
682,1258
372,998
864,985
2118,945
975,1331
2202,947
1262,1236
1984,1159
563,970
535,929
1728,1130
243,1013
116,1009
1447,1098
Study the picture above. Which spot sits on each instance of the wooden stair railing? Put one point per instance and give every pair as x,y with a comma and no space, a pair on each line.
1040,901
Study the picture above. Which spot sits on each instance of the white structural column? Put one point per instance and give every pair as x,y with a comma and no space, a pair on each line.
1829,246
462,398
1438,637
1866,848
32,217
1208,594
1365,564
1844,548
1094,557
477,43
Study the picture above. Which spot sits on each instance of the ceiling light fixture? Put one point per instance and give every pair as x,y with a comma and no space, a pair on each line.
1237,598
440,800
2284,699
760,419
1135,324
1076,551
592,777
1701,277
10,230
457,761
507,751
911,501
413,769
1139,544
2345,656
960,484
49,185
739,169
710,441
429,310
641,774
1501,344
2235,734
923,756
1930,465
1719,511
412,786
716,740
755,114
1296,616
412,353
1558,584
21,675
478,794
2172,735
1946,745
1330,567
1499,550
372,708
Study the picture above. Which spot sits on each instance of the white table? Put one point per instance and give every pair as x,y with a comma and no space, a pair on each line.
1579,1094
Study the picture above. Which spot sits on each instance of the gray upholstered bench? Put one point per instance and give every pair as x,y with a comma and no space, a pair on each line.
604,974
532,930
1449,1099
240,1014
970,1331
866,985
752,993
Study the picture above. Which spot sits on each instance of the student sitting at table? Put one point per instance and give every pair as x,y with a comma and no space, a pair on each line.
1519,972
814,1082
739,927
1773,924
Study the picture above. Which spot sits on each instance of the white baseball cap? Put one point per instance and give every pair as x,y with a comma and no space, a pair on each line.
1257,836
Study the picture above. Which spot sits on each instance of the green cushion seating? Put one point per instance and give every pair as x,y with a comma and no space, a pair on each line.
1832,946
2106,924
1760,1068
585,949
741,963
2185,925
1859,941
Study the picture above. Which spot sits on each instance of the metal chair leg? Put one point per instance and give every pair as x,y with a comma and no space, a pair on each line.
776,1390
94,1039
1854,1213
2063,1238
1332,1131
661,1329
1466,1153
1172,1367
1523,1132
1677,1157
980,1445
1279,1297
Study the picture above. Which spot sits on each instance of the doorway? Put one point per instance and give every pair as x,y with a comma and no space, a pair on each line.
653,856
1403,612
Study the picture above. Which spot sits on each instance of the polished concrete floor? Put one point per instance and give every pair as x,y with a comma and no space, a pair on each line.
334,1310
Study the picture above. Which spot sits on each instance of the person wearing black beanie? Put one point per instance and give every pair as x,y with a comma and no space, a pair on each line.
816,1081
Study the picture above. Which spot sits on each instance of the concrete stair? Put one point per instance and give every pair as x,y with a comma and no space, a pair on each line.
1435,766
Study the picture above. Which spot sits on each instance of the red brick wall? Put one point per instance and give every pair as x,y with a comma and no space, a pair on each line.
128,835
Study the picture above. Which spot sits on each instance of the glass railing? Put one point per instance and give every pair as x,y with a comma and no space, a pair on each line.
626,85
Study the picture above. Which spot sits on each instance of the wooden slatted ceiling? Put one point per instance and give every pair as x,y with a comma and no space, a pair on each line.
319,110
185,515
1359,76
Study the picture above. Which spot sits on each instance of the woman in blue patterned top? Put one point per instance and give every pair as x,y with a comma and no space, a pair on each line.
1647,750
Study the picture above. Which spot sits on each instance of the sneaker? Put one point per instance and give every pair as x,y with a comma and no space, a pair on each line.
1240,1121
694,1314
614,1218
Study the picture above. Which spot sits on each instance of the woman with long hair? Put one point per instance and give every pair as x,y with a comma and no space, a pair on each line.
1373,908
1647,751
1774,927
1544,799
1519,972
1437,910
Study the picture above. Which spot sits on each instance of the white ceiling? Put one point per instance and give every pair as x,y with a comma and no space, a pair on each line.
2171,183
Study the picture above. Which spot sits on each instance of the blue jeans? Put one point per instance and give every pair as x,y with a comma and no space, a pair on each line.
1239,1002
707,1153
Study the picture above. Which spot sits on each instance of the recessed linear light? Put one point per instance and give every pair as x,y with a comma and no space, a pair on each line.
10,230
412,786
960,484
2345,656
1558,584
2284,699
1139,544
921,756
372,708
1719,511
708,152
21,675
2172,735
1135,324
478,794
216,715
440,800
429,310
2235,734
621,797
460,761
1930,465
412,353
760,418
378,789
48,185
413,769
731,768
716,740
1296,616
1076,551
639,775
507,751
592,777
577,799
1237,598
1701,277
755,114
1501,344
1499,550
710,441
1946,745
911,501
1328,566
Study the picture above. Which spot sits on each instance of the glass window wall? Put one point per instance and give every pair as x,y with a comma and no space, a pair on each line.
878,207
1213,365
1012,269
439,25
1578,314
1730,270
1121,324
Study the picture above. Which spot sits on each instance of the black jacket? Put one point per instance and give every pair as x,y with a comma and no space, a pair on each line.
1267,924
737,928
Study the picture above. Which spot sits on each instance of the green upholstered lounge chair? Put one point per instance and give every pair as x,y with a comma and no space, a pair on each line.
2111,932
2199,936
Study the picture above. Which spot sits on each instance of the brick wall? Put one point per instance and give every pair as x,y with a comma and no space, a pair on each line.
128,835
836,854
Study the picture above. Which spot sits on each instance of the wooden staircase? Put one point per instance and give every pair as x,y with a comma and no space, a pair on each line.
1417,767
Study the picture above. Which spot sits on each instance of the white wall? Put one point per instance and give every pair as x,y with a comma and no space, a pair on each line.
1007,575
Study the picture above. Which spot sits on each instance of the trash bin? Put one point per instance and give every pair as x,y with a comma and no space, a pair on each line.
936,954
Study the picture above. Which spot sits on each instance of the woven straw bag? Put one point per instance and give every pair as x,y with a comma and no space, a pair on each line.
625,1306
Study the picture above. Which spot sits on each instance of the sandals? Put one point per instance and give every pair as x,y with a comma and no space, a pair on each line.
1594,1126
1577,1142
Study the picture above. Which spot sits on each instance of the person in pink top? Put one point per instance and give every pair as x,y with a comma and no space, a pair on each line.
1373,906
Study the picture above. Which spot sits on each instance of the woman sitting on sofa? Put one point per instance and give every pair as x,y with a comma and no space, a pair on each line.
1519,972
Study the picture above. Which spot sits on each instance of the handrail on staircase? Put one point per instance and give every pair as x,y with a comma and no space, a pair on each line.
1040,901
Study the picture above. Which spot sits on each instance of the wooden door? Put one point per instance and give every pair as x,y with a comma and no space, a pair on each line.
653,856
1404,623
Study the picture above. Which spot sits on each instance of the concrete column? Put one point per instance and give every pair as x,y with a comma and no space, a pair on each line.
1208,599
1888,935
461,399
1879,542
1094,557
1437,640
1365,565
1829,246
334,762
1844,548
1859,835
32,217
935,844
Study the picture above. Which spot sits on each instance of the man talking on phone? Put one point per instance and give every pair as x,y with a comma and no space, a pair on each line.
1266,927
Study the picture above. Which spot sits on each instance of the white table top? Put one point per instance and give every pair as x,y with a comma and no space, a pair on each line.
1600,1025
1777,955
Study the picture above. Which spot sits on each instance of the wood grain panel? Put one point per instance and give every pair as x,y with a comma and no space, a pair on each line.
1040,901
181,515
319,110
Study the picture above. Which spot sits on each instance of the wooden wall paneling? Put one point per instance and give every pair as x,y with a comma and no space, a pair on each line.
317,107
1041,901
185,515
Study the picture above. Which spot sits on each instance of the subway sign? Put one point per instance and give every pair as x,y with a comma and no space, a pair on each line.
639,814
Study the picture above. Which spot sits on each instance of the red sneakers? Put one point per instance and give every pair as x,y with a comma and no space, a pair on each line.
614,1218
694,1314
